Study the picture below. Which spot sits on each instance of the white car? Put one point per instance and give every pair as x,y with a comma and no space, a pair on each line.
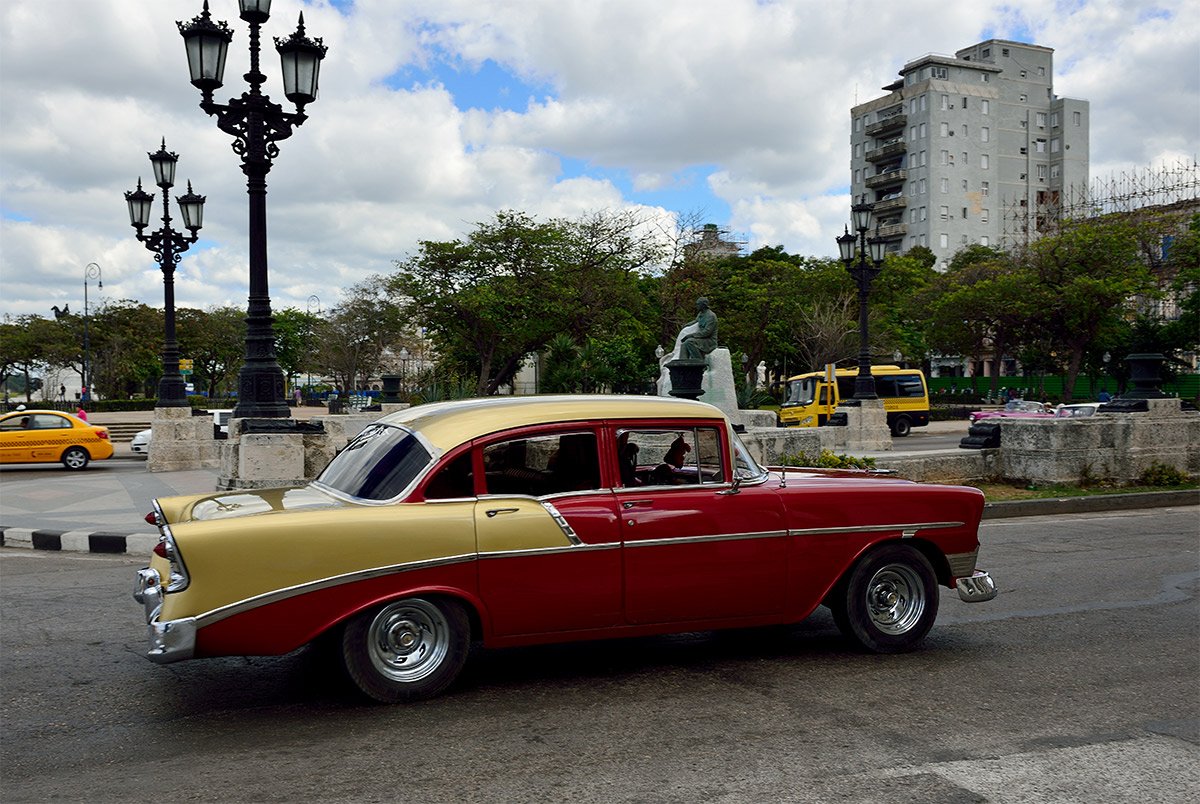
140,445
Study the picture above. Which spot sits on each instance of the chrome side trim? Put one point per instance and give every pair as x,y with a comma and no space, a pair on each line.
561,521
907,530
218,614
549,551
962,564
716,537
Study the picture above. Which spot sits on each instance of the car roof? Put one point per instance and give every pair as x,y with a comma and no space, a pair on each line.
448,424
30,411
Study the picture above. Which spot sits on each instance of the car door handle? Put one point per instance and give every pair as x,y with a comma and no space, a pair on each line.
494,511
631,503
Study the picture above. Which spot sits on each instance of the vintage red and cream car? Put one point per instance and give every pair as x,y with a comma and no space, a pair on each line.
514,521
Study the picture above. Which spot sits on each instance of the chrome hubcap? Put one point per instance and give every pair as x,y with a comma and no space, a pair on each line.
408,640
895,599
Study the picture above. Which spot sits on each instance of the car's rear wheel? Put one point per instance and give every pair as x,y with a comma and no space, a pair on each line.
889,600
76,458
407,650
901,427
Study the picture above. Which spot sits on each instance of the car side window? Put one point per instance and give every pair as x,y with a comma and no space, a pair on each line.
669,457
543,464
454,480
45,421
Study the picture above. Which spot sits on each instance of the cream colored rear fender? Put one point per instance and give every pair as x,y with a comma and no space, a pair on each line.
234,560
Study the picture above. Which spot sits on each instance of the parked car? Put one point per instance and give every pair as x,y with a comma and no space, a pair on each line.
513,521
1015,409
50,436
1077,410
140,445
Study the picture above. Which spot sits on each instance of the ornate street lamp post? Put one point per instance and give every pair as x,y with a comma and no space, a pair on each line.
90,271
257,125
168,246
864,273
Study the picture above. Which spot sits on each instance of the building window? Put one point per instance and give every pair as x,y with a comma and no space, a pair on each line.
964,213
857,175
857,150
924,130
1041,70
983,240
1054,120
1076,117
945,102
983,187
923,162
944,240
1041,172
984,77
858,124
964,130
924,213
987,52
912,106
912,190
1054,143
1054,171
945,185
912,133
983,215
922,184
944,212
984,161
964,240
985,134
912,215
1040,119
1039,146
924,102
964,102
921,238
984,106
945,130
941,72
966,159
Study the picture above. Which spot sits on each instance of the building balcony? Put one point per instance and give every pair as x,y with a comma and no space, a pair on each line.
888,150
897,120
892,231
890,205
887,178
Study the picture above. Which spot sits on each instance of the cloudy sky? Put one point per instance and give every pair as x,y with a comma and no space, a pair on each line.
434,114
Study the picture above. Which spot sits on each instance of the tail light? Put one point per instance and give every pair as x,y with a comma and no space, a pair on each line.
177,577
103,434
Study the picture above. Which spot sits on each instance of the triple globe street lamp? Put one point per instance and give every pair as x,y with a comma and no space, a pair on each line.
168,246
257,125
863,272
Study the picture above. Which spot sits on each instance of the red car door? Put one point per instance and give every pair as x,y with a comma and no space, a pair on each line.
693,548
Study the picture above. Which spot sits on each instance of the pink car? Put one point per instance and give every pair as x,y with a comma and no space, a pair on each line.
1015,409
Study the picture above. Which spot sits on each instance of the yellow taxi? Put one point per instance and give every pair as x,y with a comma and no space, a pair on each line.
47,436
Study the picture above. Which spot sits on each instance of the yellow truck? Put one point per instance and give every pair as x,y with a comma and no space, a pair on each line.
813,397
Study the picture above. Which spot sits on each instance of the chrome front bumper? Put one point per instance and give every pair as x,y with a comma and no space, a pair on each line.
977,588
170,641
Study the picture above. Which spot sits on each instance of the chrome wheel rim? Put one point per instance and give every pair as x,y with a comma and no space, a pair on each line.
408,640
75,459
895,599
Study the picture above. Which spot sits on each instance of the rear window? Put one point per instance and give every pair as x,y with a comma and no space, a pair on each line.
380,463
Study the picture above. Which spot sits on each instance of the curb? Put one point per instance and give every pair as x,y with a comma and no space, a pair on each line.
100,541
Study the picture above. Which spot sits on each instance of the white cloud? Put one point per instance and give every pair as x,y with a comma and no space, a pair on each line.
756,91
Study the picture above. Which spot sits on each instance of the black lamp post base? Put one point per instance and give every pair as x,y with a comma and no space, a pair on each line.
260,394
172,392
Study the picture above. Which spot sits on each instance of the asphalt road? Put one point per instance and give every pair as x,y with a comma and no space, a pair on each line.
1080,683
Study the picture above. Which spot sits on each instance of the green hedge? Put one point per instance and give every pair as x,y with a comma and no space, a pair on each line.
1186,386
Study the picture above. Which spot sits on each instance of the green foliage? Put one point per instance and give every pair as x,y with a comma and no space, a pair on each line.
1159,474
826,460
215,340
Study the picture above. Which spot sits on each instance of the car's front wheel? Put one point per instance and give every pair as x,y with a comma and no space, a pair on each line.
889,600
901,427
407,650
76,458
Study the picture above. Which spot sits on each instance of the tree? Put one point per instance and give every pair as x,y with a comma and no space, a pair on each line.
355,335
1086,278
215,340
126,342
515,283
295,341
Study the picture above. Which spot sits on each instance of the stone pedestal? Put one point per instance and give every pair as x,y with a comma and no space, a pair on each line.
180,441
769,445
270,453
866,427
1107,446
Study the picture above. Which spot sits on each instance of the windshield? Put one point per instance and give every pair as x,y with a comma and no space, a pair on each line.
802,392
744,466
380,463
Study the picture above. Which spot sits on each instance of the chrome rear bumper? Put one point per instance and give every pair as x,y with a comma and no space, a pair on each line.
170,641
977,588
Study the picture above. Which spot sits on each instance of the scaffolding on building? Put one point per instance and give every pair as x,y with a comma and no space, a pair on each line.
1167,190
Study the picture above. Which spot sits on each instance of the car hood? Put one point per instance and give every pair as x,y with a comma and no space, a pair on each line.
231,504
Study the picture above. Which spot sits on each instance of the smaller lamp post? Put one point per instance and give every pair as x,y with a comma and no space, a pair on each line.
863,273
90,271
167,246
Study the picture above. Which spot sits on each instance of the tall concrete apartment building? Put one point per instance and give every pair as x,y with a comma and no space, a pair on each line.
968,149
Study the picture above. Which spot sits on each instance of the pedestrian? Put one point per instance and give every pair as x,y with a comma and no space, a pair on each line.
62,393
1104,396
81,413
